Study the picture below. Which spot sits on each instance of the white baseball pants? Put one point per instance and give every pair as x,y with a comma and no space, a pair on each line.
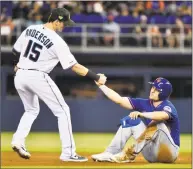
32,85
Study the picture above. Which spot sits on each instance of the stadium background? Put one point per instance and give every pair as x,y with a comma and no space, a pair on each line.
130,42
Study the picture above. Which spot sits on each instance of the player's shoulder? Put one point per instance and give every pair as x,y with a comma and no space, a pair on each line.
168,103
169,106
59,39
34,26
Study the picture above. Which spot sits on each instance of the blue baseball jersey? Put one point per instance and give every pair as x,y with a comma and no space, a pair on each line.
146,105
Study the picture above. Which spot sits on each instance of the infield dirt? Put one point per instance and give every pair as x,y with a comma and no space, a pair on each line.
9,159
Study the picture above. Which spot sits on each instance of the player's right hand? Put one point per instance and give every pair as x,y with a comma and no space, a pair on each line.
102,80
135,114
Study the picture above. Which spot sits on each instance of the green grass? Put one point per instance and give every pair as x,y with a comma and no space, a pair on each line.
85,142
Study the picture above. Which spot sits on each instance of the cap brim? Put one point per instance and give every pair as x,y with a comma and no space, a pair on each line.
69,23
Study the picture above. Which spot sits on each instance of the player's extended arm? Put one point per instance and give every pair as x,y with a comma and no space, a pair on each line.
80,70
115,97
156,115
83,71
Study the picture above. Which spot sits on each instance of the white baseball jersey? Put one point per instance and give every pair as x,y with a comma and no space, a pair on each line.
41,49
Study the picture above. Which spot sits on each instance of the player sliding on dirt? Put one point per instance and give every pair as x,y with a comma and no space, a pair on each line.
154,124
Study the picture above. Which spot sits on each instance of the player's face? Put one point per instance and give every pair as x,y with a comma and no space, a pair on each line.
59,26
154,93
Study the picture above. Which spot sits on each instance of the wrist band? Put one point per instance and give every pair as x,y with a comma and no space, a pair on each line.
92,75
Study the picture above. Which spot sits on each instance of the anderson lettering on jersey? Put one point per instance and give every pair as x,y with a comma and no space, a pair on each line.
39,36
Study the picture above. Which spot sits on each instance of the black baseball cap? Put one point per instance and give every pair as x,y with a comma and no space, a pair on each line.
61,14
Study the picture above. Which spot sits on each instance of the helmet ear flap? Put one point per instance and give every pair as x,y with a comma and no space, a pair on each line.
161,96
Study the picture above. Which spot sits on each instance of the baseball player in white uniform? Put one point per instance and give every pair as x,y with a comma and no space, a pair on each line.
40,48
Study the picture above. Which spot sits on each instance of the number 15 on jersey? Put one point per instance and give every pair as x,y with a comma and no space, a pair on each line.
33,51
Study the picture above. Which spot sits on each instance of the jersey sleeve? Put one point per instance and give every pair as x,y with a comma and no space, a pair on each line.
136,103
64,55
18,44
170,111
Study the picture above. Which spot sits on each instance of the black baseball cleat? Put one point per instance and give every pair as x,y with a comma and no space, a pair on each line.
22,152
76,158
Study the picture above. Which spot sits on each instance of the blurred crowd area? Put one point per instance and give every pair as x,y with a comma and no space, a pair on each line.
144,18
85,88
164,23
125,86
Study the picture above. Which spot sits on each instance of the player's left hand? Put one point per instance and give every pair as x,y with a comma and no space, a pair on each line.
15,68
135,114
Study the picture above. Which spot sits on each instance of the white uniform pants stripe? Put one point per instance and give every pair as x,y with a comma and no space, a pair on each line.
52,88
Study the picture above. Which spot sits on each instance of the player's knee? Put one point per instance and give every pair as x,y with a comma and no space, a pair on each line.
162,126
67,109
34,112
157,134
161,134
62,111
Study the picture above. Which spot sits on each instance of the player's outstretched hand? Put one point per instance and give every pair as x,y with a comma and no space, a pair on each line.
97,83
102,80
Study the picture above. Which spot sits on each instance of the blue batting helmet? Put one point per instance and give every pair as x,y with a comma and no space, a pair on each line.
163,86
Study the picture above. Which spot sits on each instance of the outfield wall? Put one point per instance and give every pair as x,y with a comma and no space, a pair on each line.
97,115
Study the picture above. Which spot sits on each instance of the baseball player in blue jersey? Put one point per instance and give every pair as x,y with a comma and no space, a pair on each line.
154,125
